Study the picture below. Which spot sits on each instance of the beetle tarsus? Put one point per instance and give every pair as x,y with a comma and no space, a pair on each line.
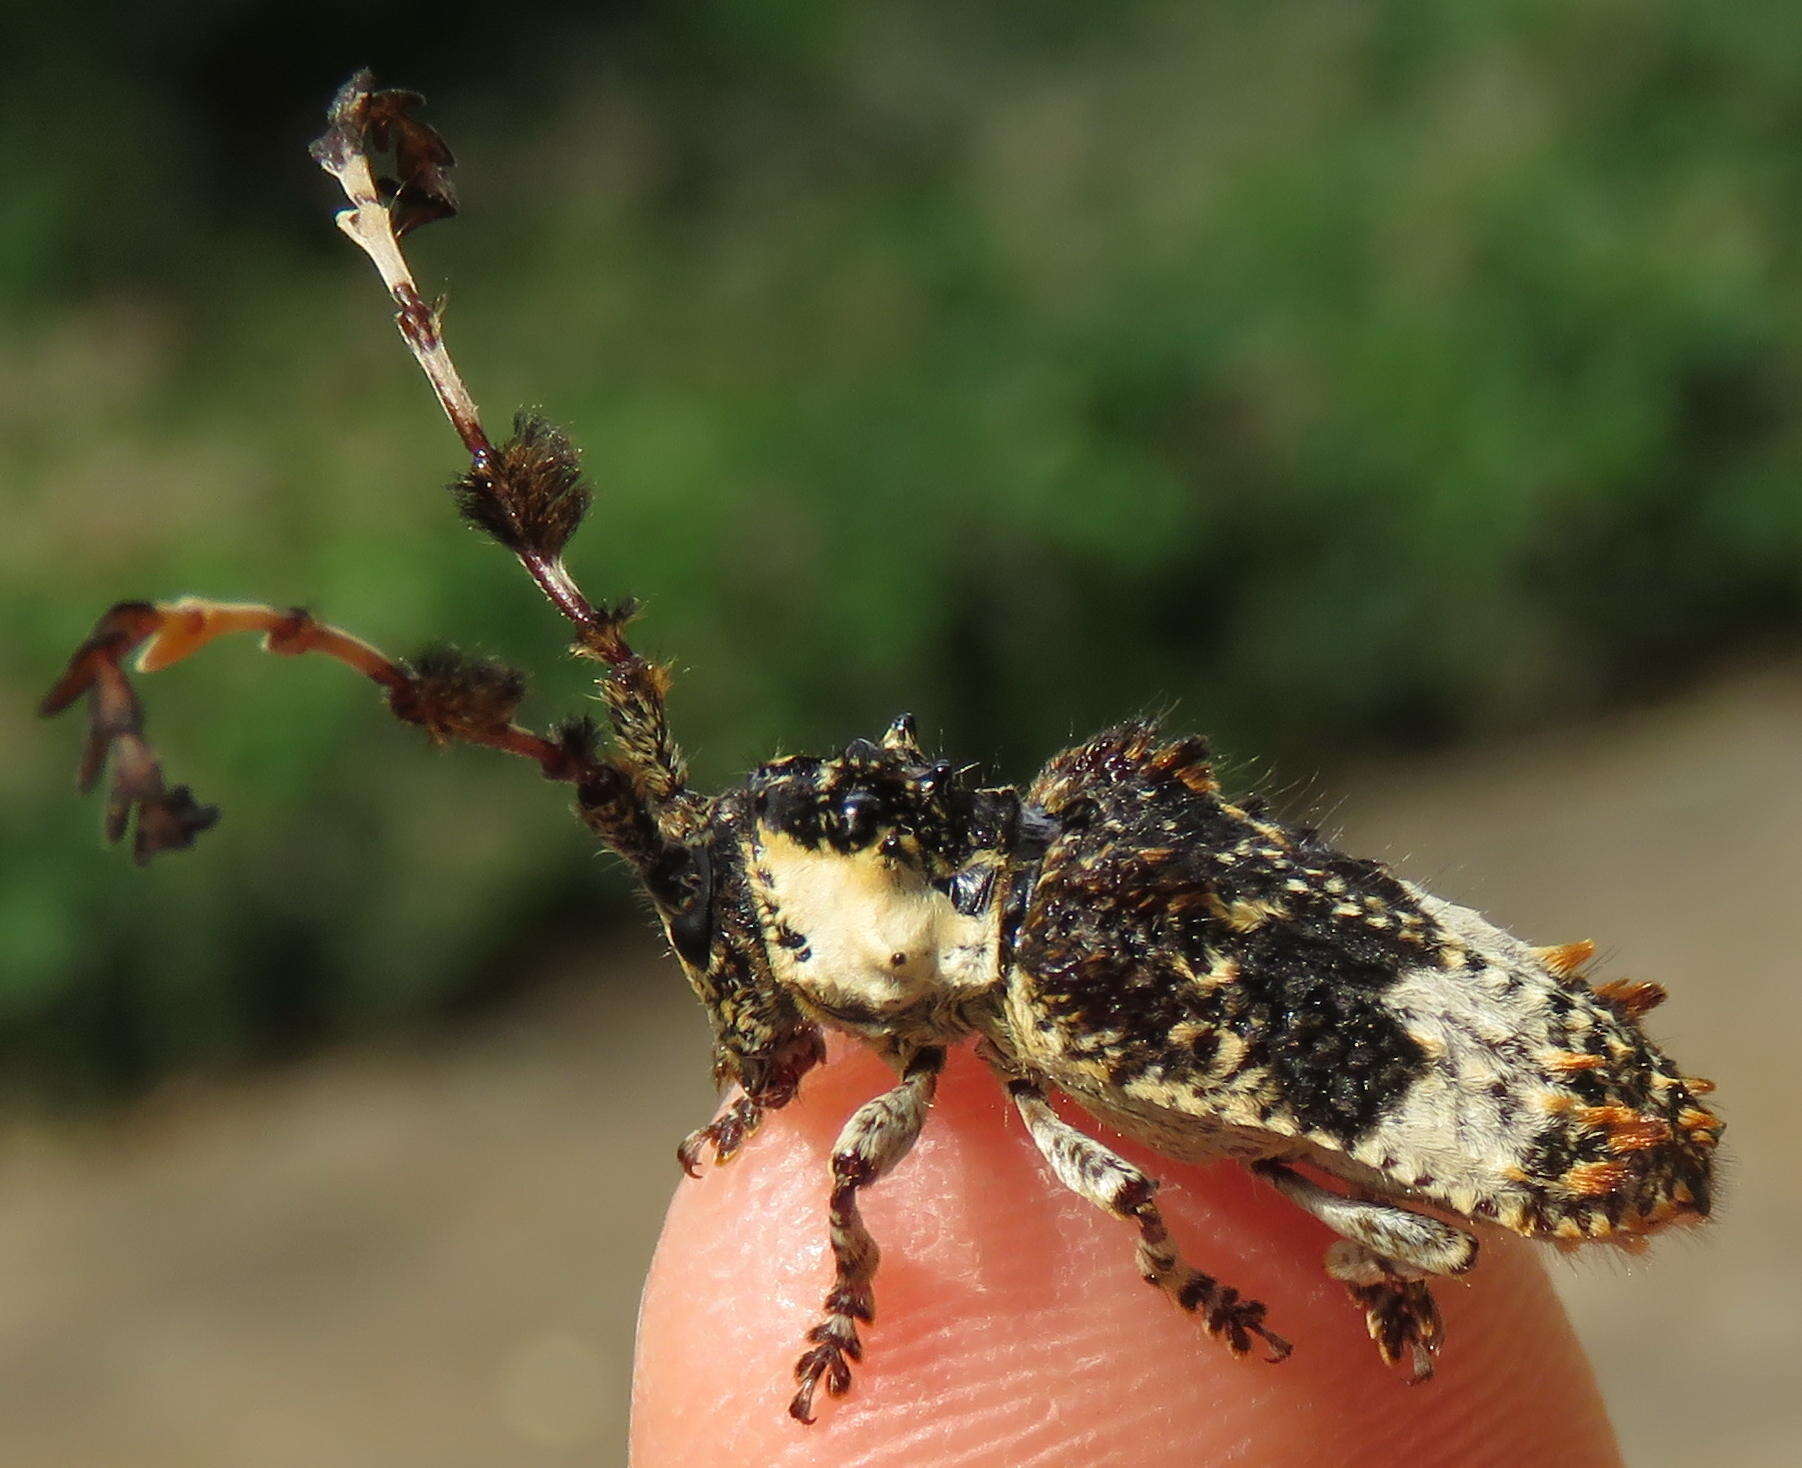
1399,1309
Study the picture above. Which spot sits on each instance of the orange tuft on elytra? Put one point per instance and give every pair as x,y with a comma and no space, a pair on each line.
1637,1136
1703,1126
1594,1179
1566,958
1626,1129
1606,1118
1631,998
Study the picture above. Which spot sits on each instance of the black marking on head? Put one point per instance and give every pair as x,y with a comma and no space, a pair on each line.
885,795
795,942
859,813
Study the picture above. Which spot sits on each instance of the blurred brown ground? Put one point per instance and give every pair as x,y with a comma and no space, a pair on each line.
432,1256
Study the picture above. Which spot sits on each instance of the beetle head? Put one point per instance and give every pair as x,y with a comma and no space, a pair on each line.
885,799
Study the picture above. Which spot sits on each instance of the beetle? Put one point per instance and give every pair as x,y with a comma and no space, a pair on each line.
1185,968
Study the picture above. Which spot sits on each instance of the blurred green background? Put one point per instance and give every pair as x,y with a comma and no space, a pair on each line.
1410,394
1345,375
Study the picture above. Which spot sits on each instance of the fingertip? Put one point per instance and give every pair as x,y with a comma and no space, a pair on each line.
1012,1327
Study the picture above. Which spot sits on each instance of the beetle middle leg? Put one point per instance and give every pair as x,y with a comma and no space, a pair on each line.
880,1133
1092,1171
1383,1256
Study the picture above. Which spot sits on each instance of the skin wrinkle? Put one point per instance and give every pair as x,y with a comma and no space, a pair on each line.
1011,1328
966,1437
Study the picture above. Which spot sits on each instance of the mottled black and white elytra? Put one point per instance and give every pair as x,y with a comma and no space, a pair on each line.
1186,969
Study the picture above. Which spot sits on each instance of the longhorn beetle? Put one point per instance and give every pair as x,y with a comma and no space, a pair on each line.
1185,969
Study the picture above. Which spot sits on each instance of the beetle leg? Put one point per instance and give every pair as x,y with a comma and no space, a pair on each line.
1093,1172
880,1133
769,1071
1399,1309
1382,1257
1426,1244
724,1135
770,1068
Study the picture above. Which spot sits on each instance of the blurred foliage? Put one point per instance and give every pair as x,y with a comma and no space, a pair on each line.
1342,371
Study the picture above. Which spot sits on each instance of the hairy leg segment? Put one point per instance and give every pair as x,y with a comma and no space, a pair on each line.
1383,1256
880,1133
1093,1172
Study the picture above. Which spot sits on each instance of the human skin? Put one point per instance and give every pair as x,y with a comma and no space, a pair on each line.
1012,1330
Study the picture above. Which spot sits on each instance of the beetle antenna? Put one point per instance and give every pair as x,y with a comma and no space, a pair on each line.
527,493
453,697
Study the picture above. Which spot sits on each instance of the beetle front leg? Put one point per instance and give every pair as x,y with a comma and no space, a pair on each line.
880,1133
768,1077
1382,1258
1109,1181
724,1135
